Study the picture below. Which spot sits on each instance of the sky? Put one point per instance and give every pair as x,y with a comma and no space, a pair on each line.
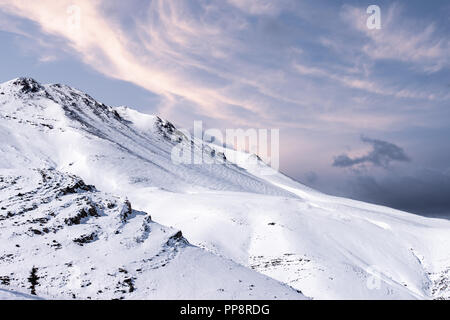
363,113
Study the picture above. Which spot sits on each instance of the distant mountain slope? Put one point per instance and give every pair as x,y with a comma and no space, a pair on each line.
325,246
61,238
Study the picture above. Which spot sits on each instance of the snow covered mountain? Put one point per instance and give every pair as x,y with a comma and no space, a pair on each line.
324,246
61,238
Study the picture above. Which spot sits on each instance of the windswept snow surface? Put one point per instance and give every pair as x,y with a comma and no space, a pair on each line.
327,247
61,238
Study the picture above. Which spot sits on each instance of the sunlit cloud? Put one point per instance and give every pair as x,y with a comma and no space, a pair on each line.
161,68
190,53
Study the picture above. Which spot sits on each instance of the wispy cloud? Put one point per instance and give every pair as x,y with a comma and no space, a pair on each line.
259,7
166,59
208,58
407,40
359,82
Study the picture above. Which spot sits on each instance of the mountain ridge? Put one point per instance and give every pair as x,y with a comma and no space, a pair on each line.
63,239
327,247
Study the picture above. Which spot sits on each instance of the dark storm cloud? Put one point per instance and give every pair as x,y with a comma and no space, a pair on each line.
409,188
425,192
381,155
311,177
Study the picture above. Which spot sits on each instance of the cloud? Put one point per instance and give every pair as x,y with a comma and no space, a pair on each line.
358,82
259,7
171,51
408,40
423,191
311,177
11,25
215,60
381,155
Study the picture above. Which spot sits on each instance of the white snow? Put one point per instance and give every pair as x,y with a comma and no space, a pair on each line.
9,294
84,244
327,247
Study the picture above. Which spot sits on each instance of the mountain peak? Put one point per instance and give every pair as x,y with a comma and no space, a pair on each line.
24,85
27,85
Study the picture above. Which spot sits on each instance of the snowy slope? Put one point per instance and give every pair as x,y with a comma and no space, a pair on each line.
71,129
9,294
327,247
61,238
